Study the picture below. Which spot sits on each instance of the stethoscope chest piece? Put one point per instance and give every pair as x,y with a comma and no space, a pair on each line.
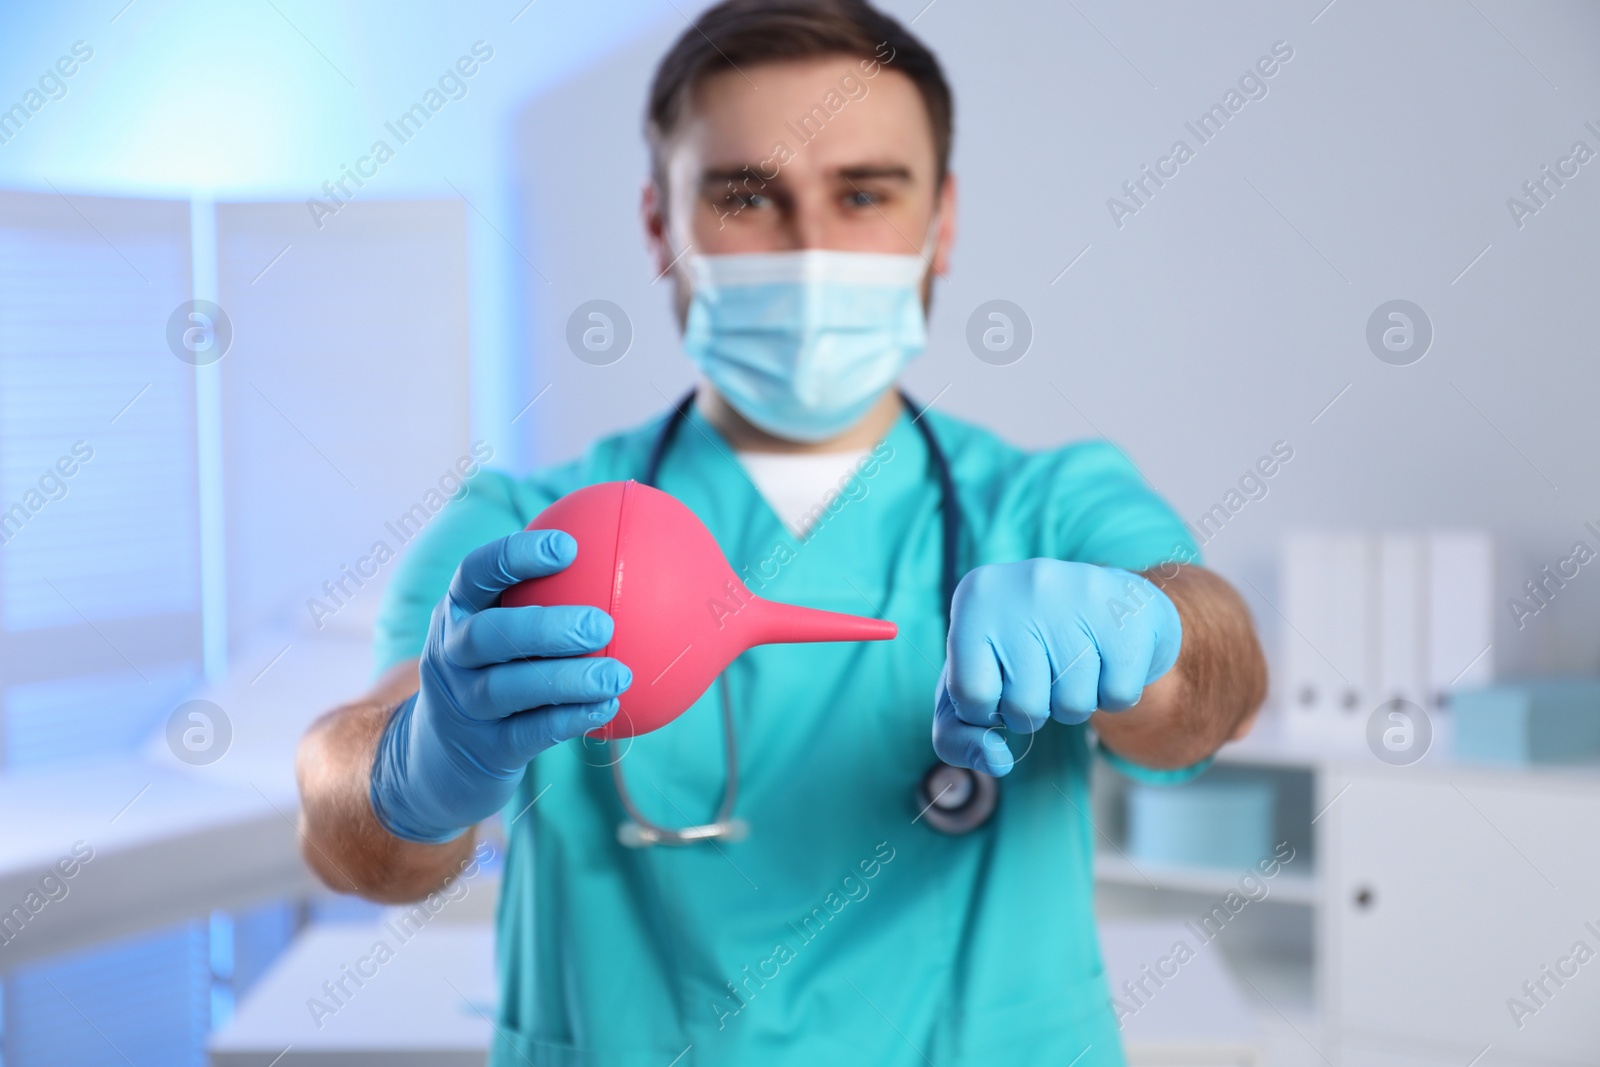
632,834
955,800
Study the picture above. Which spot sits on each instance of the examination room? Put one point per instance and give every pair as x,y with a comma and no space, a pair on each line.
779,533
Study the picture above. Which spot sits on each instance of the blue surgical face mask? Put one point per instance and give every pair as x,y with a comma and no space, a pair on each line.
803,343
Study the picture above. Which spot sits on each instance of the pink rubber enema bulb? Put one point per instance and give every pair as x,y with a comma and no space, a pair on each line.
681,614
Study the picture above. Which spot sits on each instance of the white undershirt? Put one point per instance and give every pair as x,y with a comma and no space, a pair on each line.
800,486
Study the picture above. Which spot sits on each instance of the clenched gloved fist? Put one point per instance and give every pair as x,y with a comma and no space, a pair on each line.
1045,639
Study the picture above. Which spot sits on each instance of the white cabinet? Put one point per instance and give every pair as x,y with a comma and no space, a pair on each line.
1444,891
1422,900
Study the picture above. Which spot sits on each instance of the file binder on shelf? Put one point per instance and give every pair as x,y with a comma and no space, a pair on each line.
1378,617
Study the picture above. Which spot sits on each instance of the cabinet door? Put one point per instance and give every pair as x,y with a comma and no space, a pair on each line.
1446,893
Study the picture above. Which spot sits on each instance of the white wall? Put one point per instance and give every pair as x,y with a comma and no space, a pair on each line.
1228,312
344,400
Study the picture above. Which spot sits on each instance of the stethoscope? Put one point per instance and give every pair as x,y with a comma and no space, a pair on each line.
951,800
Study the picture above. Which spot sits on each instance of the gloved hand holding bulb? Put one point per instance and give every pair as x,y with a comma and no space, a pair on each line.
498,686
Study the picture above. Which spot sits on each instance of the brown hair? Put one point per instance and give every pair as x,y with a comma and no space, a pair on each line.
737,33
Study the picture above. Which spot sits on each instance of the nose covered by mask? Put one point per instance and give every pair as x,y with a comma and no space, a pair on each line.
803,343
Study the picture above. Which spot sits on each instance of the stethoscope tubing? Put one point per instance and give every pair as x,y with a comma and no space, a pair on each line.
640,831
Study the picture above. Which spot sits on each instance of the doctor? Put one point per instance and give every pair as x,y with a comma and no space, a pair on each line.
844,905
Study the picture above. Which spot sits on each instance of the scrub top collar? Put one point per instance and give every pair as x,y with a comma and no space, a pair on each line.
700,458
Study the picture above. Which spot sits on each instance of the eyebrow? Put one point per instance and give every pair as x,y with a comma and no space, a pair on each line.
732,175
871,171
751,173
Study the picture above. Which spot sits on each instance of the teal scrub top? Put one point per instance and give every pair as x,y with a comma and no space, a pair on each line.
843,929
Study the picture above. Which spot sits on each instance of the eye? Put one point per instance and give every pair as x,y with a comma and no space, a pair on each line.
861,198
735,201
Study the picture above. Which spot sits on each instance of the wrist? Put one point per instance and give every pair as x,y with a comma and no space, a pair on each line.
1144,602
391,790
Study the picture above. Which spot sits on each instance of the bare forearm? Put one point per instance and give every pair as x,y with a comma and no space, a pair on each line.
1211,694
341,838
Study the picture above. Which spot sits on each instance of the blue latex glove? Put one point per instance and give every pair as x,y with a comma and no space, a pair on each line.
1045,639
499,686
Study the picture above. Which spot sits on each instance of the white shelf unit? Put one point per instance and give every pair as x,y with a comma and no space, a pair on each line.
1116,869
1428,894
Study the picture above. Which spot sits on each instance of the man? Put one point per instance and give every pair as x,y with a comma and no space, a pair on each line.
852,924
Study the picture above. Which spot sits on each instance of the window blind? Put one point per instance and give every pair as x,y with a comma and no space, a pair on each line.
99,588
99,591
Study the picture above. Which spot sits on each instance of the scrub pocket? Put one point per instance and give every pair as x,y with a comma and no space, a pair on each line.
1072,1025
513,1049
